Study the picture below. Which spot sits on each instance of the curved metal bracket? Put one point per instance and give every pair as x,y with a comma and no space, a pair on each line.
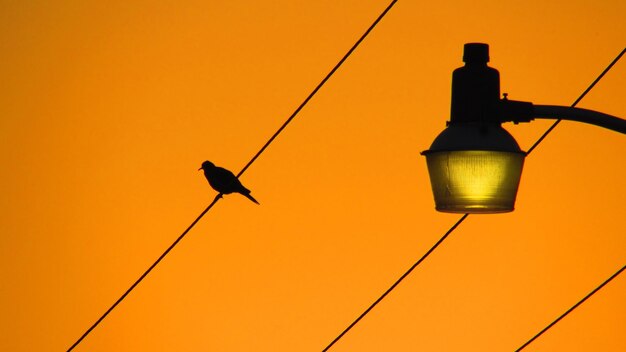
521,111
580,115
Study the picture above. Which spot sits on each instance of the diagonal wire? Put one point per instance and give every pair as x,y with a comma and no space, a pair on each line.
466,215
593,84
254,158
344,58
617,58
145,273
572,308
396,283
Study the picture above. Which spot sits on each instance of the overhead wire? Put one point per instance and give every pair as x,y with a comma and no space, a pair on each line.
343,59
397,282
593,84
543,136
572,308
119,300
607,69
254,158
456,224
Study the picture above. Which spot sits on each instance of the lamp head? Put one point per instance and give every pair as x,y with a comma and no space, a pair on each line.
474,164
474,168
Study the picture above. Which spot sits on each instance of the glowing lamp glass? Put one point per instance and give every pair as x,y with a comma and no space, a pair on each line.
475,181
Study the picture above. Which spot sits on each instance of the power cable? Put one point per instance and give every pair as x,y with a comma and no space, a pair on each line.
572,308
397,282
464,216
344,58
593,84
607,69
145,273
254,158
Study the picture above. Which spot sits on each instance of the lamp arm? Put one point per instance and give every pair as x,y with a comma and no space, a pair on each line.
580,115
521,111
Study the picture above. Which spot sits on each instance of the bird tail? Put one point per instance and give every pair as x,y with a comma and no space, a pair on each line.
247,195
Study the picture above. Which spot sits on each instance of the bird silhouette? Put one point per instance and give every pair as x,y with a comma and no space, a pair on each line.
224,181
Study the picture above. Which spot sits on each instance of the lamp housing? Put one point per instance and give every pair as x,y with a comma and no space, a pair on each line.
475,165
474,168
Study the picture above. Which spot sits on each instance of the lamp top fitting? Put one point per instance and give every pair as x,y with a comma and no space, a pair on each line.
476,53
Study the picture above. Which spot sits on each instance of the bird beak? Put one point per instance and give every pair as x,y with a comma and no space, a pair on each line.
199,169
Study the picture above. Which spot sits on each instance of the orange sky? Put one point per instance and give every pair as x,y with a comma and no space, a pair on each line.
108,108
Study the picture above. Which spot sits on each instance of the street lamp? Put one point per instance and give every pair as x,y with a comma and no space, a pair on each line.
475,165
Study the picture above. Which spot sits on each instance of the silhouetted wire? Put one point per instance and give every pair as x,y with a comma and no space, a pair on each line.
397,282
145,273
344,58
293,115
593,84
466,215
572,308
617,58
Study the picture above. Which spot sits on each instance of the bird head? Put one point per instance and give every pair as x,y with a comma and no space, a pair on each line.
206,165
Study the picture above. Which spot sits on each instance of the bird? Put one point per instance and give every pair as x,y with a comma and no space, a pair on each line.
224,181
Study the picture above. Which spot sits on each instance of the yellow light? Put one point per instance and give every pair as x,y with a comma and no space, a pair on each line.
475,181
